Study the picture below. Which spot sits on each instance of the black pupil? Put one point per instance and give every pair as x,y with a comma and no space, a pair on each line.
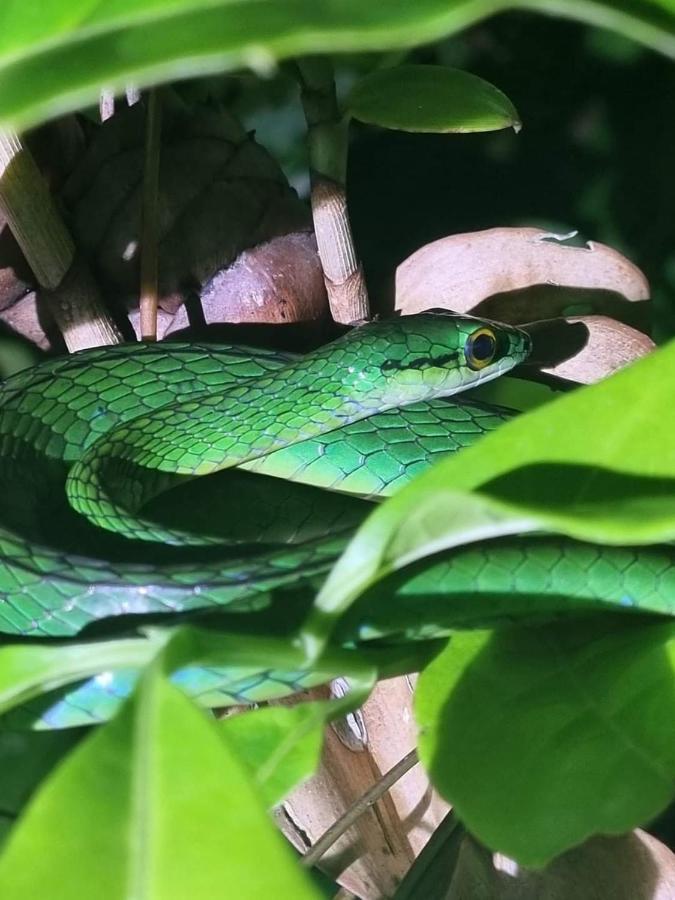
483,347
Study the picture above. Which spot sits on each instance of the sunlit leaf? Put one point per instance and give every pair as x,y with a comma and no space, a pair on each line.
154,804
216,668
617,425
56,56
28,670
541,737
279,745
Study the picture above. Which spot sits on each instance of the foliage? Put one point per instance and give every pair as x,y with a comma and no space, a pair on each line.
180,810
598,465
430,98
538,738
523,729
57,59
160,761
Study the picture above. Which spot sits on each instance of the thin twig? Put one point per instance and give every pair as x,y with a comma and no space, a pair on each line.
328,141
371,796
33,218
150,220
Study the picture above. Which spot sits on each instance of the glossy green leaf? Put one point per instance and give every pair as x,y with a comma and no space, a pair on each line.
542,737
279,745
597,464
55,56
28,670
651,22
620,424
432,99
251,667
155,804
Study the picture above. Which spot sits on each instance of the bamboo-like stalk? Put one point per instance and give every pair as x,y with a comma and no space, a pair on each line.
327,141
150,220
35,222
133,95
106,104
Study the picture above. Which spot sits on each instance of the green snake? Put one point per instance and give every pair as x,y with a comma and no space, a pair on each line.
147,479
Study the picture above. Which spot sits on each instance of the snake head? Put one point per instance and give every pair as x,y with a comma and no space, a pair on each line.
436,354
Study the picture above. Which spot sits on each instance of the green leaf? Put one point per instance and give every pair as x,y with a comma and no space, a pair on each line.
597,464
56,56
542,737
431,99
28,670
279,745
651,22
620,424
218,668
155,804
25,759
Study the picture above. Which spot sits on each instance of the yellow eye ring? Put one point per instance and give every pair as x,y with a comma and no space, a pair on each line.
480,348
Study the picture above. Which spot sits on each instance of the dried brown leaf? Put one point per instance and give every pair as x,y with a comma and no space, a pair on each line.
588,304
221,195
275,283
462,271
586,349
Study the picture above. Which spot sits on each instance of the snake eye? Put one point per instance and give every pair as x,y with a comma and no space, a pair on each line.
480,348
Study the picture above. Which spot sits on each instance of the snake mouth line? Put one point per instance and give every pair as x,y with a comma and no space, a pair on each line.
423,362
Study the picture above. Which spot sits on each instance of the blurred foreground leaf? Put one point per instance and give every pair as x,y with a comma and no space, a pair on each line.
55,57
155,804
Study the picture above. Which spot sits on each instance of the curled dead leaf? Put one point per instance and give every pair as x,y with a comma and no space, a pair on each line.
587,306
275,283
462,271
586,349
545,301
221,195
23,318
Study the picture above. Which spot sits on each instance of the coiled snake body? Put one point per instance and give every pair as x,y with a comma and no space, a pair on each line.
146,479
